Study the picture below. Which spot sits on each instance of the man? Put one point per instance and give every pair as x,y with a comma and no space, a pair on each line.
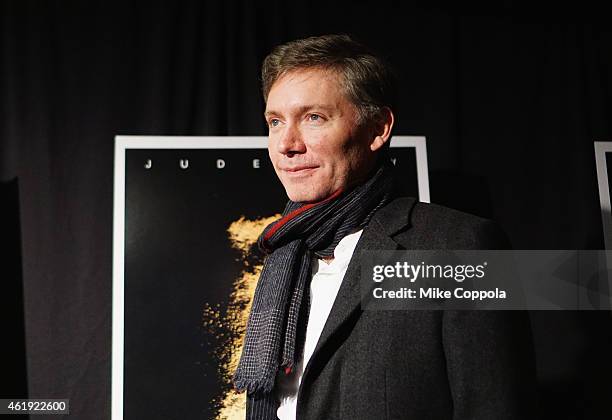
310,351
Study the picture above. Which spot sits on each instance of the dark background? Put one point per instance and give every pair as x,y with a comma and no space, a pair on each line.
510,96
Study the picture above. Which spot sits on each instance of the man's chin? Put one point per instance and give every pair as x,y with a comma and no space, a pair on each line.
299,198
306,197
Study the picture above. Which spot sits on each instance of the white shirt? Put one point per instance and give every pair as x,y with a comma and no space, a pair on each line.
326,280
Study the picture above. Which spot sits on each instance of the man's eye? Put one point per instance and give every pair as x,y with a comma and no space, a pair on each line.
274,122
314,117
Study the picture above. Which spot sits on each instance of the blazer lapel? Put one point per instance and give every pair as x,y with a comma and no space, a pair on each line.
390,219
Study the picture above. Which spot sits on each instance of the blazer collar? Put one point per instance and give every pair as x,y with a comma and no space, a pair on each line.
385,223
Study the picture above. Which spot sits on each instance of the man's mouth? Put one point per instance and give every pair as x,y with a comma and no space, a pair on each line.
299,170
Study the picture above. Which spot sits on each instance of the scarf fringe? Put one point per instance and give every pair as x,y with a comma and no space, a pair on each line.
254,386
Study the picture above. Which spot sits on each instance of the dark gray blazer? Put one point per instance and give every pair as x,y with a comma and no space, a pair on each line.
419,364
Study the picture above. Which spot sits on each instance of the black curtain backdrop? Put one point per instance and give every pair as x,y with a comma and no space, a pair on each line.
510,99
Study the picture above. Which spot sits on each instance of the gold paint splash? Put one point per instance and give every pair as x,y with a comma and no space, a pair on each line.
229,325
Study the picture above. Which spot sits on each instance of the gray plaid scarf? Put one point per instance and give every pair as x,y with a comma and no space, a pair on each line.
274,338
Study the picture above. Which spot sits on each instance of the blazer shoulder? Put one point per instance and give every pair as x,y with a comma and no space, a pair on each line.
432,226
428,212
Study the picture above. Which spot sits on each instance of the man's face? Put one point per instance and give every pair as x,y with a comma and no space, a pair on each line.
315,143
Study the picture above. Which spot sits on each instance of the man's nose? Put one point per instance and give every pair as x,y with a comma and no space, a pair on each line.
291,141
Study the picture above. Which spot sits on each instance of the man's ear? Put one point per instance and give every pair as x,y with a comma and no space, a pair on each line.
382,129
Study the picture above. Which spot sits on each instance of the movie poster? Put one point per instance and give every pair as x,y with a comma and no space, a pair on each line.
191,219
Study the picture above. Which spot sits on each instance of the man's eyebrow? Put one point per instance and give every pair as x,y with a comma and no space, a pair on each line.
302,109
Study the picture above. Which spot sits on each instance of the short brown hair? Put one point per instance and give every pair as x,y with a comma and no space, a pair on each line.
367,79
